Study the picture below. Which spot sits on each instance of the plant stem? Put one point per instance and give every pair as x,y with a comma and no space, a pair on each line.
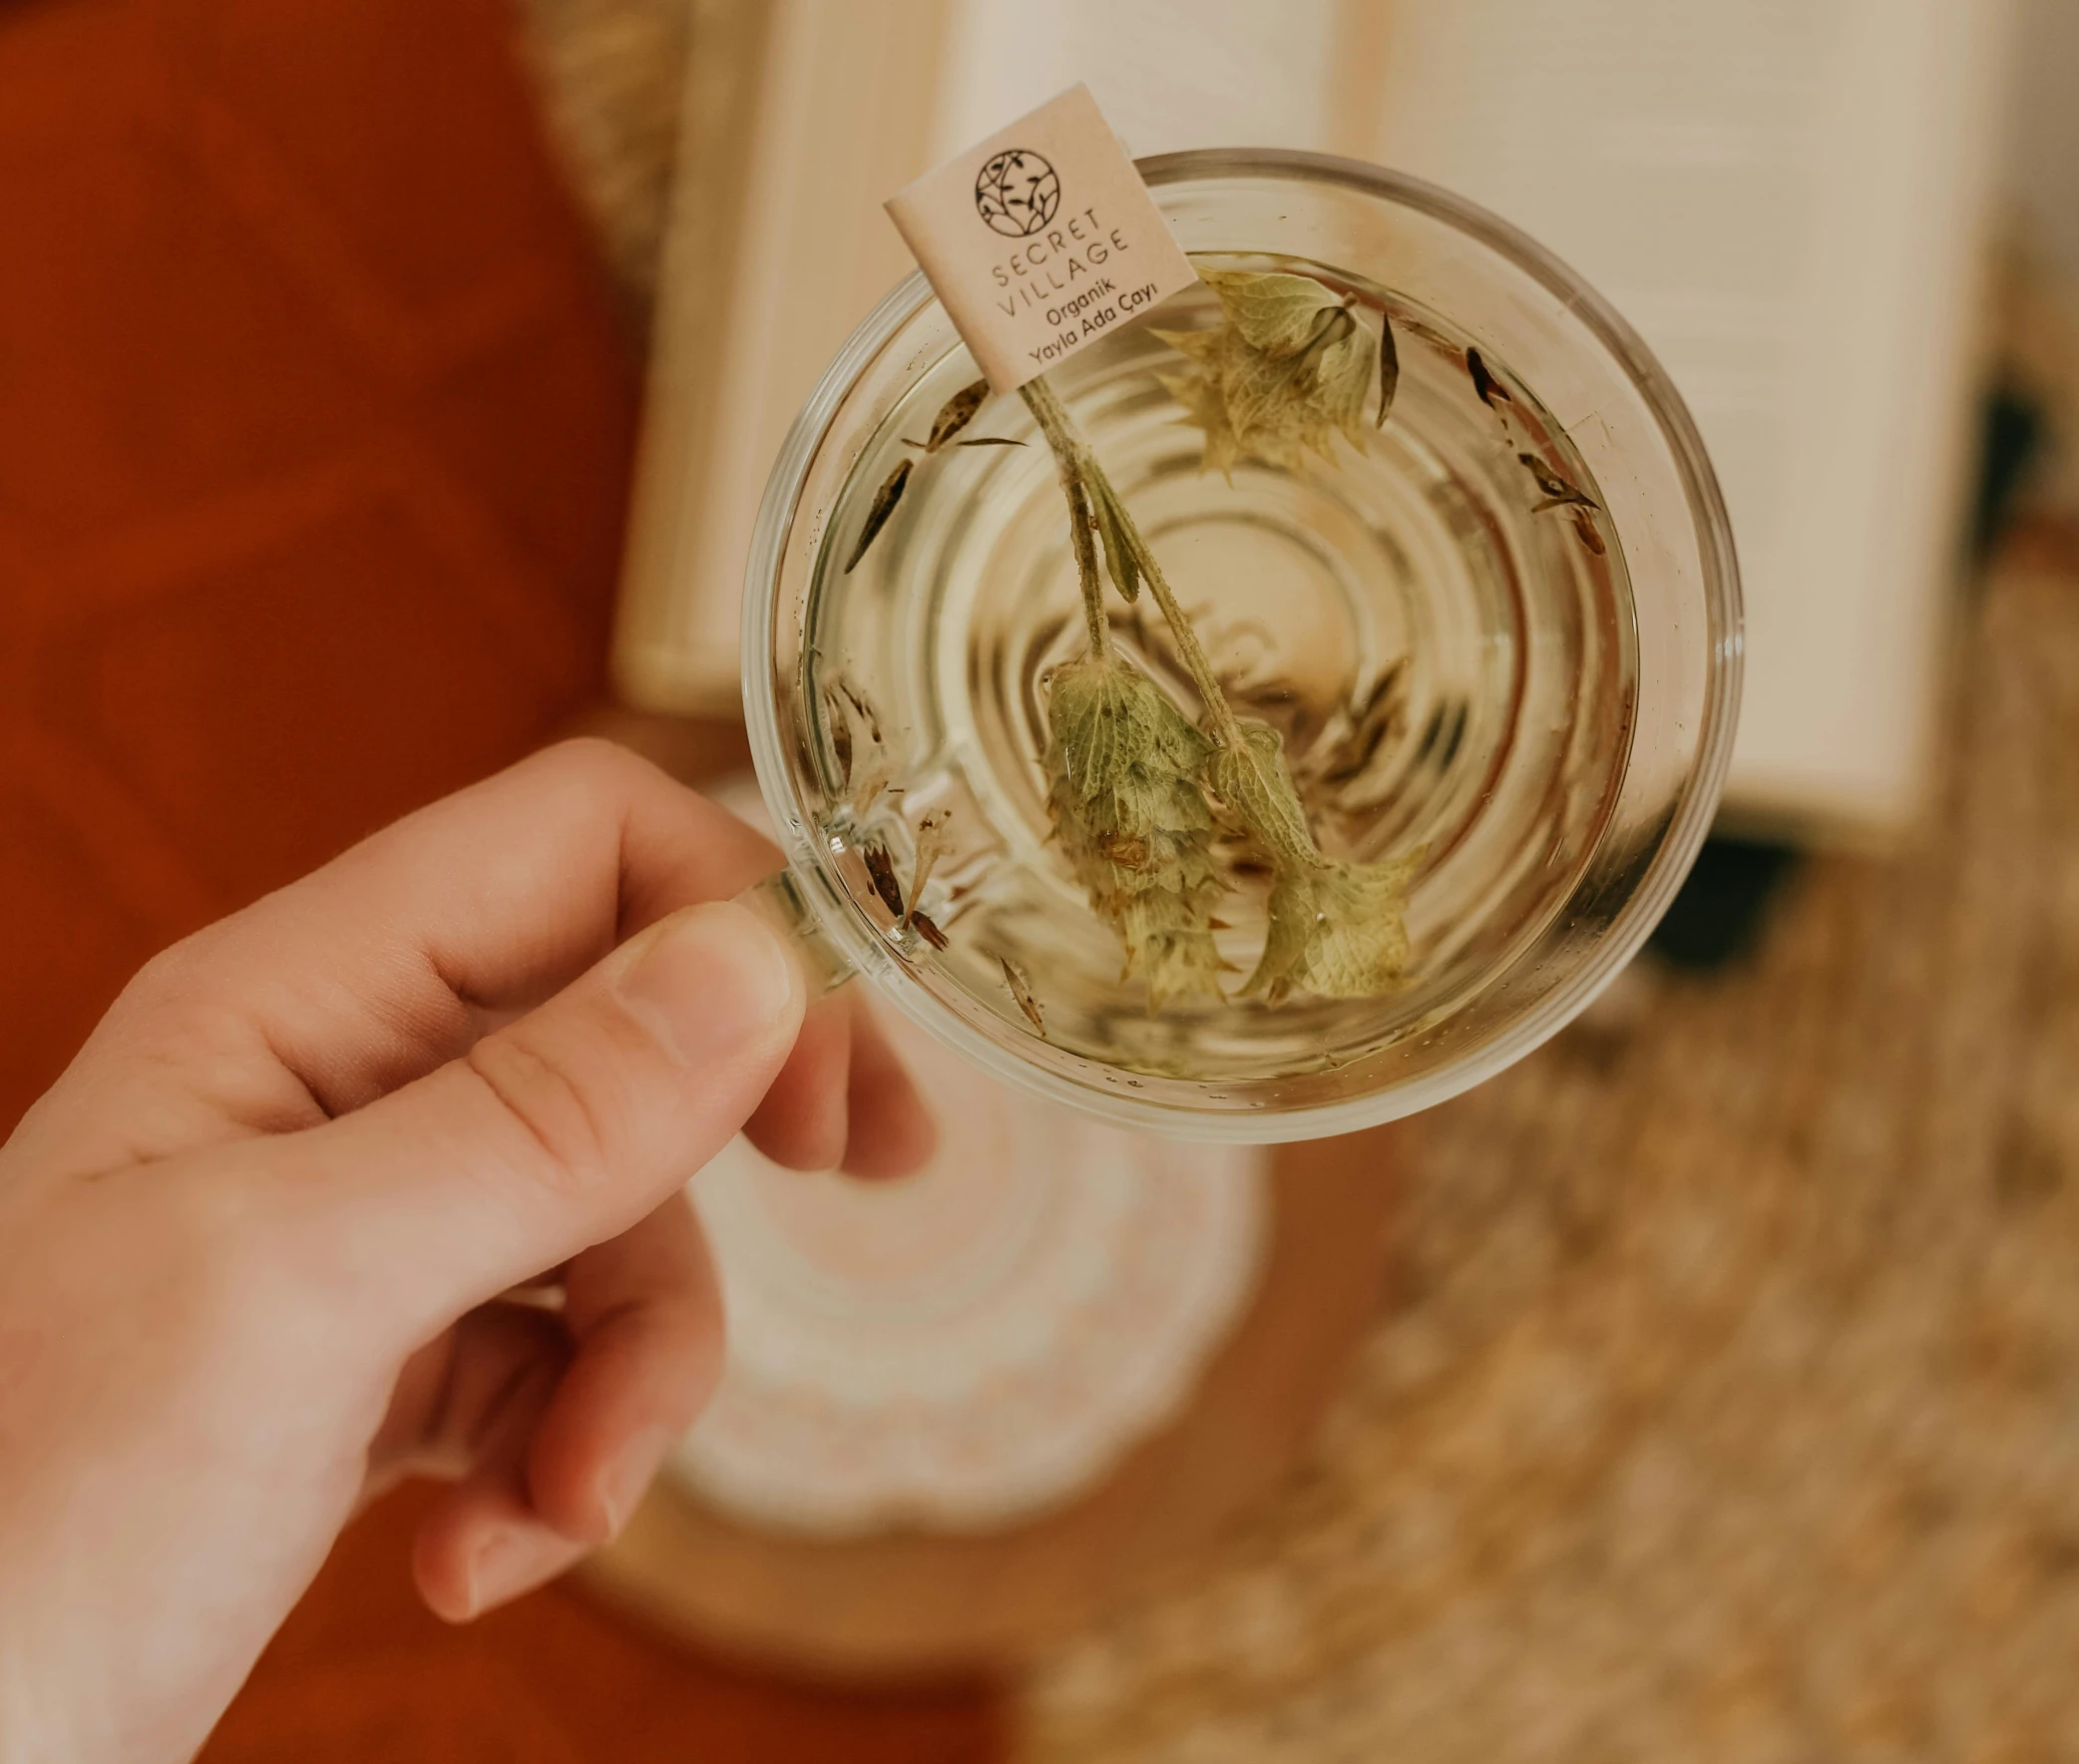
1079,469
1189,648
1080,537
1053,424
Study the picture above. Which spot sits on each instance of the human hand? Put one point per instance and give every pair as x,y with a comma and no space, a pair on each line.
254,1243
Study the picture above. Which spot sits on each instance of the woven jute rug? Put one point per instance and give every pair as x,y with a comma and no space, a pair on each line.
611,77
1730,1406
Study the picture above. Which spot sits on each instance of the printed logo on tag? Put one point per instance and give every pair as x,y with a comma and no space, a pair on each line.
1041,240
1017,194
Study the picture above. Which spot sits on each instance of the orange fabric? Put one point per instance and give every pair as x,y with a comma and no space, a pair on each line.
363,1675
314,442
314,435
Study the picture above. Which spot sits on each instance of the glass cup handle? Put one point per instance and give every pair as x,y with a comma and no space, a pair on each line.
779,901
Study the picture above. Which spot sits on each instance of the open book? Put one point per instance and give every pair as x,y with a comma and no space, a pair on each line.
1789,199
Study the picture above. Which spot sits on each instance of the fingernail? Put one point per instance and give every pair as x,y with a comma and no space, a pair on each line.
512,1560
708,981
628,1478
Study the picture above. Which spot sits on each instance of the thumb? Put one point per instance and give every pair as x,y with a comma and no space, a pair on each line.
562,1128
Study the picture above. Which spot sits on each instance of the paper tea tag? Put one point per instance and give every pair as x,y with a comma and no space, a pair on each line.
1041,240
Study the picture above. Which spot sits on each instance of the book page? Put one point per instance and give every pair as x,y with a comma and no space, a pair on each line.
1786,197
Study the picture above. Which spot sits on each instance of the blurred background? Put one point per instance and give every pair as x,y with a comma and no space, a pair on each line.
385,388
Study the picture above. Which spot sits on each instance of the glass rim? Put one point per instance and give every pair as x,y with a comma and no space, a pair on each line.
1672,860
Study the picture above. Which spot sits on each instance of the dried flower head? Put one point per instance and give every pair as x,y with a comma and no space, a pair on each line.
1128,773
1122,766
1336,930
1289,368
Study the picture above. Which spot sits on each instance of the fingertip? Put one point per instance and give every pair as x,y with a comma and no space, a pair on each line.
710,981
629,1400
891,1138
442,1577
646,1314
893,1132
481,1548
801,1122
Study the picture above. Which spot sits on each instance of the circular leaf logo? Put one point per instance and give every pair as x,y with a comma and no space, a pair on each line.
1017,194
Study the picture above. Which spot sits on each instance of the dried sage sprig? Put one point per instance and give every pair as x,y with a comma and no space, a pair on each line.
1132,782
1123,760
1129,774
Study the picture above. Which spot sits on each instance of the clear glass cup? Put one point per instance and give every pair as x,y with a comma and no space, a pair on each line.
1535,700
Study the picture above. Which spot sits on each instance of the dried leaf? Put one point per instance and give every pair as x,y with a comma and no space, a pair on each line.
1254,783
881,868
874,777
885,499
1118,730
1020,985
1558,491
1293,395
1366,723
955,415
1585,527
1389,367
861,703
1484,383
1276,313
1288,369
990,441
1336,930
1132,821
1200,347
839,725
1430,335
931,842
1207,408
1118,555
